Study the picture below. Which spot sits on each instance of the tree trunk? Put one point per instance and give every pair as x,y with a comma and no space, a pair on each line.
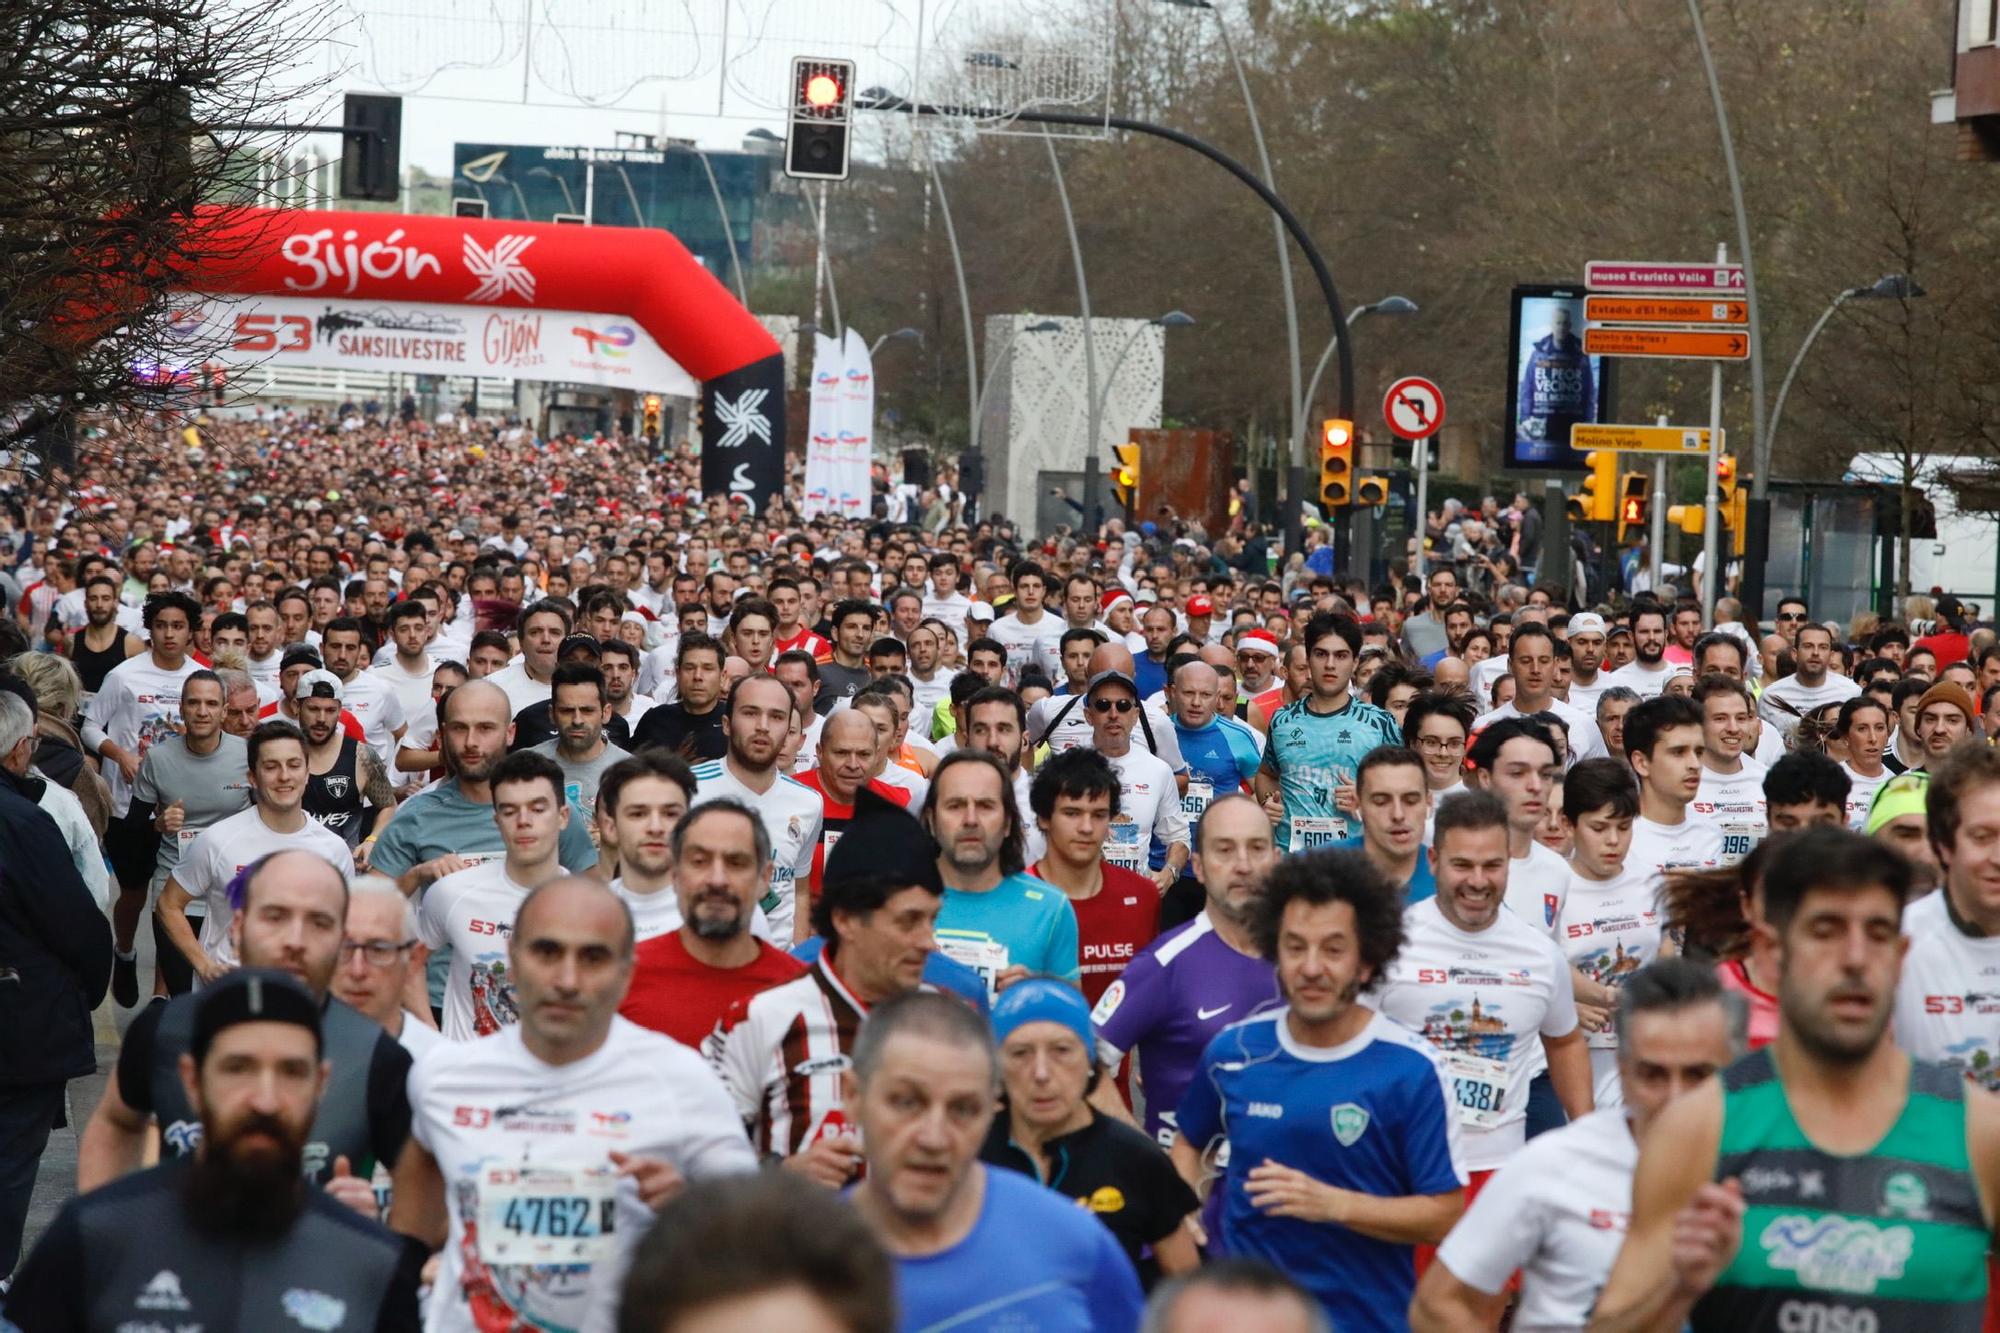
1906,505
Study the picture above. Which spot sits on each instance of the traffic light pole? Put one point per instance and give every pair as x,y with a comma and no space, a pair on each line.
1711,501
1294,515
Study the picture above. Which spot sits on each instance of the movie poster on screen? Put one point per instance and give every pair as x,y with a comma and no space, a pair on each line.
1552,384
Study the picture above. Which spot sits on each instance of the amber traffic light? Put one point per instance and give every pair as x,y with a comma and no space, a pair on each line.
1336,462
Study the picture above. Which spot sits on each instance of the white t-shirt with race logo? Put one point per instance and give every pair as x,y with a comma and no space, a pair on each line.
1861,791
1948,1000
1536,885
471,912
211,861
1735,801
1696,843
792,813
1558,1213
1609,930
541,1224
1484,1001
1646,682
377,706
137,704
1149,811
1038,644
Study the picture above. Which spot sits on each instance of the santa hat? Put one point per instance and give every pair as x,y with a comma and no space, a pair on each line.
1256,641
1111,599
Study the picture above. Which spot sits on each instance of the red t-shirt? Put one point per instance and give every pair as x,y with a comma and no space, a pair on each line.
836,816
1112,925
676,993
1949,647
1763,1005
348,722
821,650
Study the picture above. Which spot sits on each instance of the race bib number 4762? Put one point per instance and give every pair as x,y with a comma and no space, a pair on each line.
547,1215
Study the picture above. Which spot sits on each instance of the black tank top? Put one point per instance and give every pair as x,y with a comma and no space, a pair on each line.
334,797
95,666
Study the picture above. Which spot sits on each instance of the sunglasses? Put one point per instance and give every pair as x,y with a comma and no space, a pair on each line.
1791,615
1107,705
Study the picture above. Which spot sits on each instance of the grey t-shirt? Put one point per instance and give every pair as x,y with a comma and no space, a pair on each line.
837,682
580,778
210,788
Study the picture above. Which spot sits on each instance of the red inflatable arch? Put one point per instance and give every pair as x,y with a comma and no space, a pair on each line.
643,274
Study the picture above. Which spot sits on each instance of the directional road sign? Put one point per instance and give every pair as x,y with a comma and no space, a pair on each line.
1672,344
1664,310
1414,408
1639,439
1641,276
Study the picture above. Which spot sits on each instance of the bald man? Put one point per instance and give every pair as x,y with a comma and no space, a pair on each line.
622,1117
291,916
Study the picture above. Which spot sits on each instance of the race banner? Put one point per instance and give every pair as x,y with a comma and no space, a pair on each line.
824,419
854,449
571,346
743,433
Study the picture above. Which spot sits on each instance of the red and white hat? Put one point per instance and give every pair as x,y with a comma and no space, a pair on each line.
1256,641
1201,604
1111,598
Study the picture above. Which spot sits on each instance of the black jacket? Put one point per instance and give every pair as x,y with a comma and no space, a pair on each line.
55,947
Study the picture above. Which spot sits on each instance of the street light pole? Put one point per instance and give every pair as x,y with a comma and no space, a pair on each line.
900,335
1090,464
993,368
1299,401
1173,319
1388,305
569,200
1758,539
964,302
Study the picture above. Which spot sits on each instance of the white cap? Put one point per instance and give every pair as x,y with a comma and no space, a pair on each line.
1586,622
319,685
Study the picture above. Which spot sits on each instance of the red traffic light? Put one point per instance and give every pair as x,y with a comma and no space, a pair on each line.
1635,509
822,91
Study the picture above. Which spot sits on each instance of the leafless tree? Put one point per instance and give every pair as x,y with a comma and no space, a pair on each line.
117,119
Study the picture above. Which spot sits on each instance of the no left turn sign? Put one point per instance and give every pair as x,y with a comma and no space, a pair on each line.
1414,408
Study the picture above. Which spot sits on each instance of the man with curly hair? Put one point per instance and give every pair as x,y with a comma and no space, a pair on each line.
1323,1102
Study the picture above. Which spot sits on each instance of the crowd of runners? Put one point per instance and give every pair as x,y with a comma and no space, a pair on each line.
534,895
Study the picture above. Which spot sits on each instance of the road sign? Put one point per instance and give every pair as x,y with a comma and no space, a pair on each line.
1679,344
1664,310
1639,439
1414,407
1641,276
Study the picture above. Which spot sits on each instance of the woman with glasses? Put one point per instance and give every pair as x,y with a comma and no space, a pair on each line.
1436,725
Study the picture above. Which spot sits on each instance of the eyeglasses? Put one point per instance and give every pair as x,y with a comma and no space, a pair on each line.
1791,615
379,953
1106,705
1439,745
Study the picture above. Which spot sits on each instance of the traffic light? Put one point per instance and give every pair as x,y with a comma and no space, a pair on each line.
651,427
822,113
371,152
1634,495
1125,474
1689,518
1732,502
1371,491
1336,463
1597,503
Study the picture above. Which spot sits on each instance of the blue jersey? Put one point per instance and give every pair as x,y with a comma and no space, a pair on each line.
1169,1003
1422,883
1221,757
1021,922
1313,753
1033,1260
1374,1116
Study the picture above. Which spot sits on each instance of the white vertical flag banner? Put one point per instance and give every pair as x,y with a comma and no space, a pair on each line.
855,487
823,426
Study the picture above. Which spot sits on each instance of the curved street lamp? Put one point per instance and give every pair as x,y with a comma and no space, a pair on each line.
1173,319
569,200
900,335
1388,305
1894,287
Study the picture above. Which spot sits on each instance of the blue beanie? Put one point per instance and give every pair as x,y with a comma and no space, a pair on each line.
1040,1000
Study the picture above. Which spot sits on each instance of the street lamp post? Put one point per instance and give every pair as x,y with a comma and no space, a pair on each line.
1388,305
1893,287
1091,467
900,335
1298,401
993,367
569,200
1173,319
